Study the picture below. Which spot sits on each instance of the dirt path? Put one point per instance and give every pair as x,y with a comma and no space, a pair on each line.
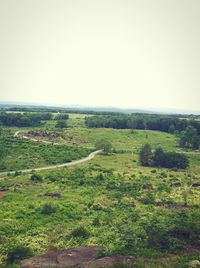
68,164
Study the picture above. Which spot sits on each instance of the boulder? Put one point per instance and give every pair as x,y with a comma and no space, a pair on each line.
84,257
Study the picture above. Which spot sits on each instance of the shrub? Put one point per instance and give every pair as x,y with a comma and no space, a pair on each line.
17,173
48,209
96,221
36,177
61,124
80,232
18,253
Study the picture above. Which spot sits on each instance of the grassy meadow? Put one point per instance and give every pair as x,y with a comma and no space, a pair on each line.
110,201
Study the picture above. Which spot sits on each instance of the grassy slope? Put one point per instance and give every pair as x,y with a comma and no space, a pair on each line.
86,197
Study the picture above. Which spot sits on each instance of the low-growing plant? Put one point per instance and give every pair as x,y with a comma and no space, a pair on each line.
18,253
80,232
48,209
36,177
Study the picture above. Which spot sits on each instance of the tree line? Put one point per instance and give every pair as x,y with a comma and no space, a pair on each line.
142,121
28,119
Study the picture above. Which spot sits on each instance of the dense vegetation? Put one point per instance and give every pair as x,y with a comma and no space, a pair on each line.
17,154
159,158
23,119
111,201
145,121
29,118
189,138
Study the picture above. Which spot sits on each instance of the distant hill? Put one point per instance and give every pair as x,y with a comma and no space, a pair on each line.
7,105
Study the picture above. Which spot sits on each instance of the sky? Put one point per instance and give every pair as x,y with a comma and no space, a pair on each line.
122,53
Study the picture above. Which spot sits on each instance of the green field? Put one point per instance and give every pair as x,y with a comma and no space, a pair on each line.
122,206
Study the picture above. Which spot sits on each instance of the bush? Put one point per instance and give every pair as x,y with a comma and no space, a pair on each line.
80,232
18,253
48,209
36,177
61,124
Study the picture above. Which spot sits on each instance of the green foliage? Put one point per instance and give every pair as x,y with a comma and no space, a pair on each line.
162,159
25,154
189,138
171,129
61,124
61,116
170,159
146,155
104,145
164,123
18,253
36,177
23,119
80,232
48,209
110,201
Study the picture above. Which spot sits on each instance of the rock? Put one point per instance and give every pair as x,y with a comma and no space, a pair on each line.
62,258
84,257
108,261
196,185
194,264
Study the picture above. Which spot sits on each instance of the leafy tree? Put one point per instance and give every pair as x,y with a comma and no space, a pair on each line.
104,145
146,155
162,159
196,143
175,160
169,159
171,129
188,136
158,158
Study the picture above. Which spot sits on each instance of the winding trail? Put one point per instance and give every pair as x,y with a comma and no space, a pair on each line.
68,164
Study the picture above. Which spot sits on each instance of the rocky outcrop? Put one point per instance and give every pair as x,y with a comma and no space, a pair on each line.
84,257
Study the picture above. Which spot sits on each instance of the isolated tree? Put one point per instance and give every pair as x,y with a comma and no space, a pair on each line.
104,145
146,155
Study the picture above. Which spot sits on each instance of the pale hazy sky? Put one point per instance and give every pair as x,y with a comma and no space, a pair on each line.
127,53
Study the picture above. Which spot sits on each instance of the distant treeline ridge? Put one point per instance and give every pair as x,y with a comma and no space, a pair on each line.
163,123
